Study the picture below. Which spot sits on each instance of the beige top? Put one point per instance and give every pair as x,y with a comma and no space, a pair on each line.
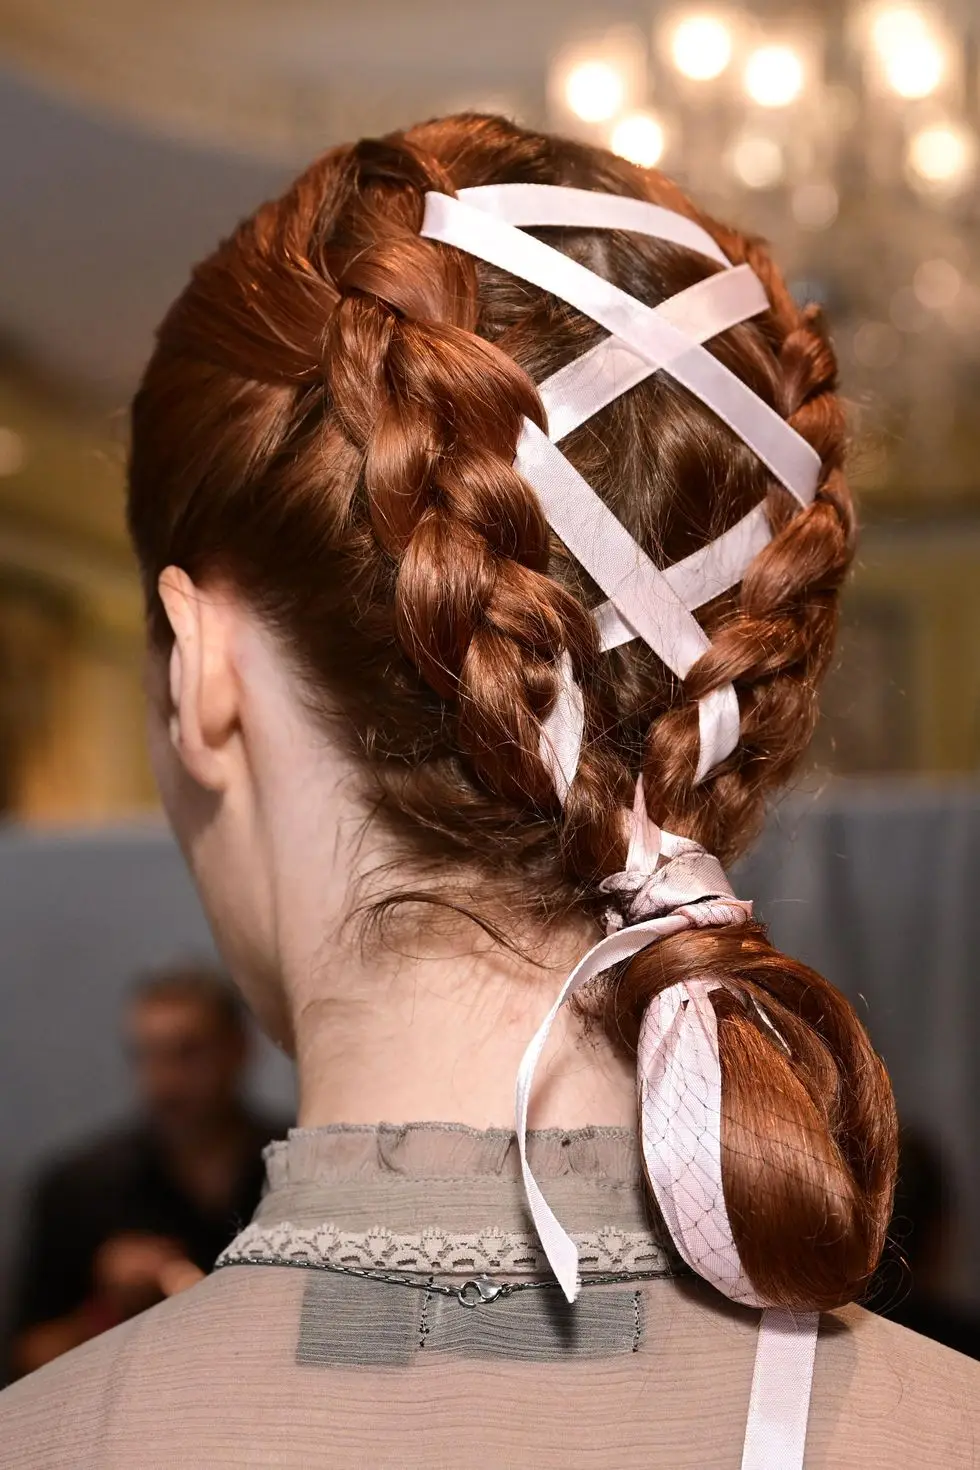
295,1365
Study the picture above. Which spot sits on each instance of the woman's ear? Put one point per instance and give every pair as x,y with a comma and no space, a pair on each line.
204,691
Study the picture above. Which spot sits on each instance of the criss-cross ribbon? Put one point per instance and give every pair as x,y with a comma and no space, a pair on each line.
643,600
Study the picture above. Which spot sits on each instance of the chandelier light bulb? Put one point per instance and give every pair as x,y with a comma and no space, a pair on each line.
897,27
774,76
912,58
942,155
639,136
701,47
915,71
594,90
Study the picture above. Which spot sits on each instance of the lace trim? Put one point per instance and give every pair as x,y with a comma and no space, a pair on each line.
437,1251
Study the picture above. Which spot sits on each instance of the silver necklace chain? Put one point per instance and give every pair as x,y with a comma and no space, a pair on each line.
479,1291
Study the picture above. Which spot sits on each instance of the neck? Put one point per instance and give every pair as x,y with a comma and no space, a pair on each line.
431,1025
438,1037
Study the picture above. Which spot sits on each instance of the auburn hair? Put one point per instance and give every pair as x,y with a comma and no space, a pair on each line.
329,421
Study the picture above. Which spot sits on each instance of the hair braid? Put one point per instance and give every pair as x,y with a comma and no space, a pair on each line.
436,412
774,638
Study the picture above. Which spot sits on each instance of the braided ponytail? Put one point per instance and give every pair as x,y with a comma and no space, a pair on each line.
330,421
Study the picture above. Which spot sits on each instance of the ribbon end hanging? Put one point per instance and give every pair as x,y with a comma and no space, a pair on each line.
557,1244
566,1272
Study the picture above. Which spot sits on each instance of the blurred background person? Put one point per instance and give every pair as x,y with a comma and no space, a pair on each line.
143,1211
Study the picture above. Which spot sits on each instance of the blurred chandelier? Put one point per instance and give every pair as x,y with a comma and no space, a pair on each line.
884,89
857,114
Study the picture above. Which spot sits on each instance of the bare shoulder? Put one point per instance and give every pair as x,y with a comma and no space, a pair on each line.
883,1397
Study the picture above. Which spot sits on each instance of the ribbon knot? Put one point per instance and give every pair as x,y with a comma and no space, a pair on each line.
666,874
693,877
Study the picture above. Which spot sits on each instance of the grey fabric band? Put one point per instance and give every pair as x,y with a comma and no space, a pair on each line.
350,1323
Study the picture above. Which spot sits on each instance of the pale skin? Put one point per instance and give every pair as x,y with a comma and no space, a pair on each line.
270,814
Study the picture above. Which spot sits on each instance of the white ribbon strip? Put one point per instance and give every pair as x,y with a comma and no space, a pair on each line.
701,904
719,728
790,458
680,1087
609,554
779,1401
700,577
554,204
587,384
612,950
561,731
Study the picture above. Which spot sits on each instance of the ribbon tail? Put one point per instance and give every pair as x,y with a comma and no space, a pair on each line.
782,1380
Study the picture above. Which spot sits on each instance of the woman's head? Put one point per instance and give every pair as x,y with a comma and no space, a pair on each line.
328,425
325,438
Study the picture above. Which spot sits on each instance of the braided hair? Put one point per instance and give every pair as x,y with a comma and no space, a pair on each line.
330,420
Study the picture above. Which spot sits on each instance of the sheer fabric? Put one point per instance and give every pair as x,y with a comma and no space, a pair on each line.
292,1365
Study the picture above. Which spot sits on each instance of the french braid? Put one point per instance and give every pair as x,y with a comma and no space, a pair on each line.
774,639
436,412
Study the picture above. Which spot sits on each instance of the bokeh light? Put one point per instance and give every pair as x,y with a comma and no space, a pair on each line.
594,90
918,71
894,27
937,283
640,137
758,161
942,156
701,47
774,76
913,61
815,205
